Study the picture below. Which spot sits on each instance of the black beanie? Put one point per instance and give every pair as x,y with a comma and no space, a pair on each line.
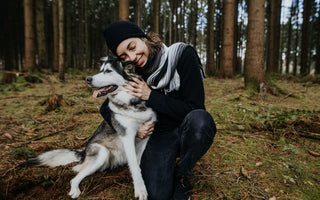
118,31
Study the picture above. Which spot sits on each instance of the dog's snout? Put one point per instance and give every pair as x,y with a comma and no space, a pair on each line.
89,79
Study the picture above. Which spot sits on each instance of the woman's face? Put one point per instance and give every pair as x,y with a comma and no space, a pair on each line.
134,50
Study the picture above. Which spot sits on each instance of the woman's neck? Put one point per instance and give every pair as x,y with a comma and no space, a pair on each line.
150,67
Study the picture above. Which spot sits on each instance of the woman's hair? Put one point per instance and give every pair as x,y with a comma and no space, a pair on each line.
153,43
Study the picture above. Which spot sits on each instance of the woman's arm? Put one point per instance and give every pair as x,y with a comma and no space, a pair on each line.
189,97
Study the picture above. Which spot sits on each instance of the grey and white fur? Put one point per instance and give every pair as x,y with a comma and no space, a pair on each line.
109,147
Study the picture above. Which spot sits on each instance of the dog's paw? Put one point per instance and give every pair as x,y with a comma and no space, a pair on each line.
74,192
141,192
76,168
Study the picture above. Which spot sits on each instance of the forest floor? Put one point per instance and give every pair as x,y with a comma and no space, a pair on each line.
266,147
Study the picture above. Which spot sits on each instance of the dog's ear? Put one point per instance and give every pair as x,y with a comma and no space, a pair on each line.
129,68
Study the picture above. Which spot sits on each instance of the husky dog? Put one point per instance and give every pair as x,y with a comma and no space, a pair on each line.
109,147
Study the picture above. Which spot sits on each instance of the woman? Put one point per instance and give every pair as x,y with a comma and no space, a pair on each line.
172,86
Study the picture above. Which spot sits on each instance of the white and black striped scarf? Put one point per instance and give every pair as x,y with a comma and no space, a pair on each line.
166,76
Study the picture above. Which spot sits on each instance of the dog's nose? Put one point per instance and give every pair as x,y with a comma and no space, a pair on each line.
89,79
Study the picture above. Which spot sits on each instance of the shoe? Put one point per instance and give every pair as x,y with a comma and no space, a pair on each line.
182,188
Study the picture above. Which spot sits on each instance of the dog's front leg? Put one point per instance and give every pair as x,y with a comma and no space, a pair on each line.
128,142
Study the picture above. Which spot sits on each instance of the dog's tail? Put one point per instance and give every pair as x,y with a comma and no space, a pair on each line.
56,157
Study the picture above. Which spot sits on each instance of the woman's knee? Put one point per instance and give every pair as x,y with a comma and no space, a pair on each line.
200,121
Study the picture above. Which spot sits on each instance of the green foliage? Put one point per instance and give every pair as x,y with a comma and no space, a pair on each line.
22,153
11,87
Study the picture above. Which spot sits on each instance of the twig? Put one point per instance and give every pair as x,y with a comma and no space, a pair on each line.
12,168
24,96
287,96
41,137
51,134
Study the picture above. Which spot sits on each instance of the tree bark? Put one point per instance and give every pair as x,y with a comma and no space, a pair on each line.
30,61
254,57
210,64
236,47
61,40
218,35
86,36
7,38
124,10
317,67
68,57
273,36
305,37
41,38
195,18
226,70
137,13
55,19
296,39
288,52
156,16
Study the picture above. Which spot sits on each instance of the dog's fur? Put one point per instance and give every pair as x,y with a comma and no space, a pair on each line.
109,147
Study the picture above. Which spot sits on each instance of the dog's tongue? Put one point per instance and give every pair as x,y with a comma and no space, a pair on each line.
97,92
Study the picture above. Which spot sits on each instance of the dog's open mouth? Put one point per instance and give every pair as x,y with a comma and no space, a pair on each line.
104,91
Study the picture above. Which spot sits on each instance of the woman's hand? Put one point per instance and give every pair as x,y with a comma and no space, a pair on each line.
138,89
145,130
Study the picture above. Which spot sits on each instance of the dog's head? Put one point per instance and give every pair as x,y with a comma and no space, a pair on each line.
113,74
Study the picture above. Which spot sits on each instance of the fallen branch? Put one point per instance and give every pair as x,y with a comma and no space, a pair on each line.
45,136
24,96
315,136
315,154
52,134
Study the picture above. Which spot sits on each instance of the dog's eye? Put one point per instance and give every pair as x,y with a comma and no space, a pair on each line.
107,71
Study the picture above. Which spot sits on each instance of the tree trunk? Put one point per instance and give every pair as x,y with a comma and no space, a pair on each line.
236,47
288,52
61,39
156,16
137,13
194,25
82,35
30,61
86,50
7,38
41,38
295,53
124,10
273,36
226,69
254,65
210,65
68,35
170,26
55,19
305,37
218,35
182,29
174,24
317,68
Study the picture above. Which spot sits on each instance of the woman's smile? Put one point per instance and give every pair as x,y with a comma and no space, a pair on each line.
135,50
139,62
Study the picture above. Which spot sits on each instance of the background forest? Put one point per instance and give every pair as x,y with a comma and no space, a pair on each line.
60,35
262,60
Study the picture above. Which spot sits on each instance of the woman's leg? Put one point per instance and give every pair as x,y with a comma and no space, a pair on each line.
196,136
158,164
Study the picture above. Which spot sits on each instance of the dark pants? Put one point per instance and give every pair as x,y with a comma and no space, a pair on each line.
189,142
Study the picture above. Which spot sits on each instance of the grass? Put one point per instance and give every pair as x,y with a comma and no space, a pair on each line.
261,150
